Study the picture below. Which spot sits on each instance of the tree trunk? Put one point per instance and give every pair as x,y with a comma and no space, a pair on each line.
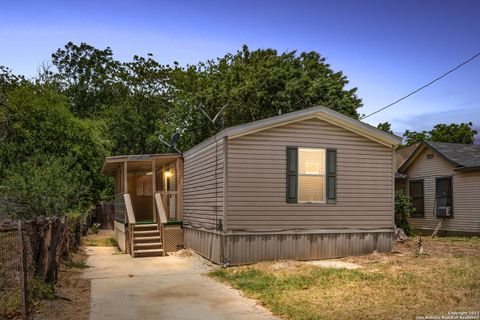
46,241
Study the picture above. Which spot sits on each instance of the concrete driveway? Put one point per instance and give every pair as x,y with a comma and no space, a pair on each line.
172,287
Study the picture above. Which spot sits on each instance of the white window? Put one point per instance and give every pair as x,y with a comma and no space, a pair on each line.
311,175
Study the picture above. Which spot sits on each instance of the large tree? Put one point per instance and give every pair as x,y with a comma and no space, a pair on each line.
88,76
131,97
37,121
51,164
143,98
455,133
134,122
256,85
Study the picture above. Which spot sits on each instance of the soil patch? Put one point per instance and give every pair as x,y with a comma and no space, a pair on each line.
72,294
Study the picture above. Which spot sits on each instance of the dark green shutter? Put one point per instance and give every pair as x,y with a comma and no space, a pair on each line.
292,174
331,175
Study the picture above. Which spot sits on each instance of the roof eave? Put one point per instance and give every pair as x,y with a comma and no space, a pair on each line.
419,149
467,169
319,112
113,161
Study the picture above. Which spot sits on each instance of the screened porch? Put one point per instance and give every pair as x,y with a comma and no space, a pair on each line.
148,202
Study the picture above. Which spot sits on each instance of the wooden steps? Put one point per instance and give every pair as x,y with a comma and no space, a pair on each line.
147,241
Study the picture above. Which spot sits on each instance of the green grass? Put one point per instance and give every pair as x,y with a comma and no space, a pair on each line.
387,285
464,241
273,290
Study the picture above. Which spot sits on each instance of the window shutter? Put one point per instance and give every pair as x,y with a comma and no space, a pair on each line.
292,174
331,175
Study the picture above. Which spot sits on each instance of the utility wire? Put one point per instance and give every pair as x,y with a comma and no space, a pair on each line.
423,87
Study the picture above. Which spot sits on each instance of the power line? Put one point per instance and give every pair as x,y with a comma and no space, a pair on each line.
423,87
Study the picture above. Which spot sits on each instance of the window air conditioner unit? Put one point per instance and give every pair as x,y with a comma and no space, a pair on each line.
444,211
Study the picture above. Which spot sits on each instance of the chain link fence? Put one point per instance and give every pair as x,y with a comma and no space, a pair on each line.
15,271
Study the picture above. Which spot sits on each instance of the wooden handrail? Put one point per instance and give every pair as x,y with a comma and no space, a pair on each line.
129,209
162,217
130,220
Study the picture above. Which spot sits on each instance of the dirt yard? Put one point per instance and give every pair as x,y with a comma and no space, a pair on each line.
72,292
399,285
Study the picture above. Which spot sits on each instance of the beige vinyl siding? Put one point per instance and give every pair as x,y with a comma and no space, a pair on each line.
201,188
257,180
466,194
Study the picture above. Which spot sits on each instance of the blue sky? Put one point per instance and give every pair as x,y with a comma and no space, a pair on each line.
386,48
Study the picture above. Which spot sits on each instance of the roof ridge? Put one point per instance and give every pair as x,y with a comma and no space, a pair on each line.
348,122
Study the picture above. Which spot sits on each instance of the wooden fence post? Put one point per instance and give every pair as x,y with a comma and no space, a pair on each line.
23,273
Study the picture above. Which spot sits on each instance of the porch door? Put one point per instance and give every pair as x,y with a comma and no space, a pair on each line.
443,197
167,185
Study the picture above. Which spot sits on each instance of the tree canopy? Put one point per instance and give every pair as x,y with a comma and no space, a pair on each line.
455,133
43,186
38,123
143,98
259,84
90,105
385,126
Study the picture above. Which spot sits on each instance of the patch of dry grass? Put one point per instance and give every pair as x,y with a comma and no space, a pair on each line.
104,238
388,286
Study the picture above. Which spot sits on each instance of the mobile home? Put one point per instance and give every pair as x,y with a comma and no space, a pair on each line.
304,185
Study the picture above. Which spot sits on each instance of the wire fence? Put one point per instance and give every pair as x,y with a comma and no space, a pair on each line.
15,271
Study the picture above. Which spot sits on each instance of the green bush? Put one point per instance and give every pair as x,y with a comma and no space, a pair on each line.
76,228
41,187
403,210
40,290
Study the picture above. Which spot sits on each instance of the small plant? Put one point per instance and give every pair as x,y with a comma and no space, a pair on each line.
96,228
403,210
111,242
40,290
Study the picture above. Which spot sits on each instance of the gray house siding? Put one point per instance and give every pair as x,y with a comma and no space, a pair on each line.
466,194
203,199
257,185
203,187
257,222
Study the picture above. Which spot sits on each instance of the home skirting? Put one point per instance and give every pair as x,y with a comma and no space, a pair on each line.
244,248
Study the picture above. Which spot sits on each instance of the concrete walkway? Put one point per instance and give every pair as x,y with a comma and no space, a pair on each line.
172,287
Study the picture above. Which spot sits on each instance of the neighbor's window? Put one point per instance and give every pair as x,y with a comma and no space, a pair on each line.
416,194
311,175
443,197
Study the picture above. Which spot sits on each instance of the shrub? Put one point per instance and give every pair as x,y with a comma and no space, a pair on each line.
76,228
40,290
403,210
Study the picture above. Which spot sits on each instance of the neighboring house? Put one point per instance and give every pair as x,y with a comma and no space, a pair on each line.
443,181
305,185
400,156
